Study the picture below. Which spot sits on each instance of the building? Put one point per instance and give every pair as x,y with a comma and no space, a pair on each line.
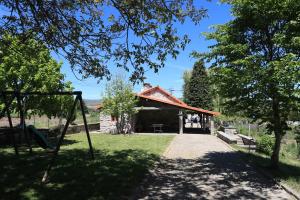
159,111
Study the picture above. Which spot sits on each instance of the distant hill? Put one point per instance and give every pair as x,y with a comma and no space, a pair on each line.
92,102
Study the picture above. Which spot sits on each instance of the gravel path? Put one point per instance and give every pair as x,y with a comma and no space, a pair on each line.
203,167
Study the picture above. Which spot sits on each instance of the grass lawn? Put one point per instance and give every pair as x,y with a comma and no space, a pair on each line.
288,172
120,164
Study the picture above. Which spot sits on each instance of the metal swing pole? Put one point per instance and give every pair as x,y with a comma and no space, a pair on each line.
86,126
55,153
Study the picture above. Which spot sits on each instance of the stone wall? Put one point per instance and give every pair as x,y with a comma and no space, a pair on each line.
80,128
106,124
160,96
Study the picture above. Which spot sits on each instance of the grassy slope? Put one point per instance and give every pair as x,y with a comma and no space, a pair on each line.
154,144
120,164
289,169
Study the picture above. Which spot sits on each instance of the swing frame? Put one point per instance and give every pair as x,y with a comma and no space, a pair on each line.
19,96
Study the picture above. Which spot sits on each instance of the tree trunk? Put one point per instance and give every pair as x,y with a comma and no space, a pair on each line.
120,124
278,134
276,150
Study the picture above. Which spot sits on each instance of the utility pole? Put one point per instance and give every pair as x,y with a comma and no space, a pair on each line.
171,90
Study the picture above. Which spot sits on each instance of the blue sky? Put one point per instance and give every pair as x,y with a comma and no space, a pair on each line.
171,75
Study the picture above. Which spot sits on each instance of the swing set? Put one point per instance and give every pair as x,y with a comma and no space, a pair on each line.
30,131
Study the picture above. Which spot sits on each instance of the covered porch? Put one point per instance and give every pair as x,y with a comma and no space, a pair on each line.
165,117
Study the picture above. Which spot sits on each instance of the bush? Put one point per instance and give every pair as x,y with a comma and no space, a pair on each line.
221,128
265,144
296,131
289,150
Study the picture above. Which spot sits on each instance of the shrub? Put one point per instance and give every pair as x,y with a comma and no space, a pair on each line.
289,150
221,128
296,131
265,144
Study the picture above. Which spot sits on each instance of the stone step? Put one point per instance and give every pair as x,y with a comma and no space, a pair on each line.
239,141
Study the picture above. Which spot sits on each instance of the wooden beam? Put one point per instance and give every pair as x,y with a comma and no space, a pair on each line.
154,108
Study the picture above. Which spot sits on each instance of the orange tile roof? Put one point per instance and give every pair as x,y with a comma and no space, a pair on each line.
164,92
178,103
187,107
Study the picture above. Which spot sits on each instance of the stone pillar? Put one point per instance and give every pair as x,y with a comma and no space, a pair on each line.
180,114
212,125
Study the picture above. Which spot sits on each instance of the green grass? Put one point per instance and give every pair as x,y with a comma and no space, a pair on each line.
120,164
153,144
289,166
92,117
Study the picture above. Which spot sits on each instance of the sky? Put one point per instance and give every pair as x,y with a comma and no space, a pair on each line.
169,77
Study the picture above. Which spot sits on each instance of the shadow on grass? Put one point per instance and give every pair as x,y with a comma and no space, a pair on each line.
285,172
216,175
6,142
65,142
112,175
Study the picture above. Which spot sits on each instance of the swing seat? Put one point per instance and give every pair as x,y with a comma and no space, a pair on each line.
39,138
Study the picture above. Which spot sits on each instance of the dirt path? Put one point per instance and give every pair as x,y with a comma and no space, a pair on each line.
203,167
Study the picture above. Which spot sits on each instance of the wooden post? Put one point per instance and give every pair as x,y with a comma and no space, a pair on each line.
86,126
207,122
209,118
212,125
180,122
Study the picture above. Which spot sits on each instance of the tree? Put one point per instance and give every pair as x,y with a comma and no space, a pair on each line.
92,33
256,62
217,101
198,92
119,102
26,67
186,78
